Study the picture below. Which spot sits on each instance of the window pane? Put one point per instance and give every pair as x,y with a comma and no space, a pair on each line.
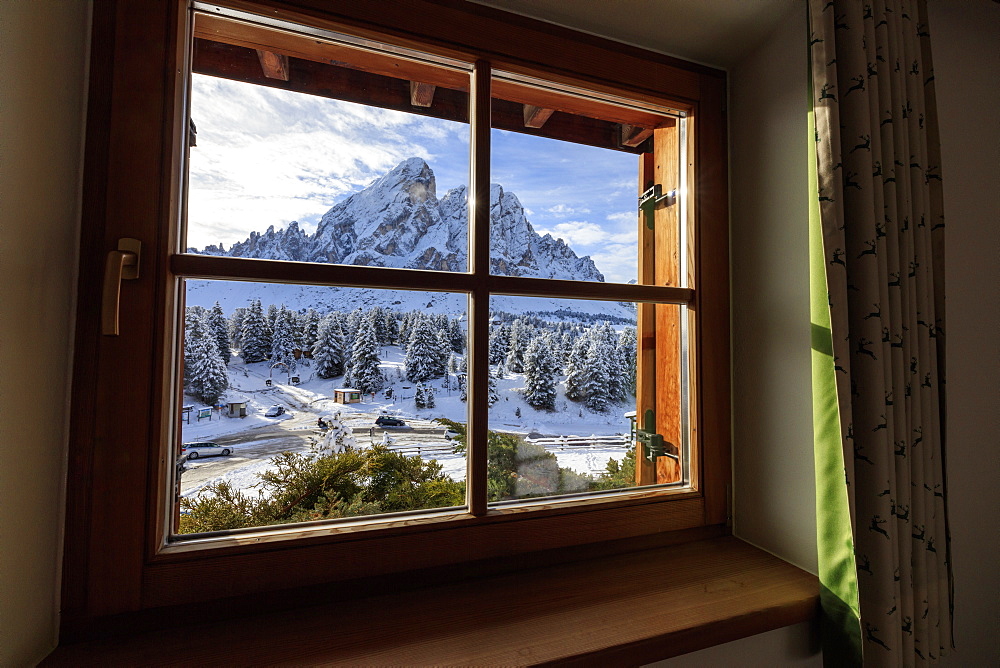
566,387
334,163
566,172
304,403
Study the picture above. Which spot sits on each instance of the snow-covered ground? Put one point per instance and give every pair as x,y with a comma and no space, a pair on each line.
306,402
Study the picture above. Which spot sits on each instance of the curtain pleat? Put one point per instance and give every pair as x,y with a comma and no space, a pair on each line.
882,228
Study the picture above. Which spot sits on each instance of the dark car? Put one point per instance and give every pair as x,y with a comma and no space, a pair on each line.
386,421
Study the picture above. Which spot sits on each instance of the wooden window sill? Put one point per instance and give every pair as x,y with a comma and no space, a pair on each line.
624,609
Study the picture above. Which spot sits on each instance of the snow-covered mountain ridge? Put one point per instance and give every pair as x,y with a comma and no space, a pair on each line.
398,221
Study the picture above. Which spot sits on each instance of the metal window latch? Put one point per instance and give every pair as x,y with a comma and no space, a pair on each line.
653,197
652,444
121,265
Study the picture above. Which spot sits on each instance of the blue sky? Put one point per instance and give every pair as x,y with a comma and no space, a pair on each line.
269,157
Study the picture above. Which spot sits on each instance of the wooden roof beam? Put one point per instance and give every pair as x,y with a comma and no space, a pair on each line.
275,65
421,94
633,135
535,117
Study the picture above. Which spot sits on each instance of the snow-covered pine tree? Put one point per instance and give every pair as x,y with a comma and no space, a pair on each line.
576,370
220,329
457,335
236,327
269,317
519,337
308,329
421,360
283,339
540,369
205,375
365,374
429,397
492,395
609,342
418,399
499,343
597,386
627,347
443,351
337,438
328,351
253,337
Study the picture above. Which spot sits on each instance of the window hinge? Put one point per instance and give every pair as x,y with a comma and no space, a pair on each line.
653,197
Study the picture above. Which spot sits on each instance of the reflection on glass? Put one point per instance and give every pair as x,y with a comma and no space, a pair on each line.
566,380
305,403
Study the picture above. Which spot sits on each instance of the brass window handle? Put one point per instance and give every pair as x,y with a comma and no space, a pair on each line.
121,265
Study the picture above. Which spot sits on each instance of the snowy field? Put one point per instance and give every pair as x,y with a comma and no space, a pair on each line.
312,399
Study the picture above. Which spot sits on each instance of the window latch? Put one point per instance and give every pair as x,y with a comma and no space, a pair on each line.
653,197
652,444
121,265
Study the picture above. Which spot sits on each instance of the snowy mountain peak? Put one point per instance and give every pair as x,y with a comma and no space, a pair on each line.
398,221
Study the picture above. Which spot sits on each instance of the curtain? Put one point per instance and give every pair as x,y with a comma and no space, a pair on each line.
879,334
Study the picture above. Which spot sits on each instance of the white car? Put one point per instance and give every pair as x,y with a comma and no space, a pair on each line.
274,411
196,450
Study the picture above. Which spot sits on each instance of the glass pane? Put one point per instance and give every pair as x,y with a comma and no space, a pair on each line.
336,163
565,176
566,389
304,403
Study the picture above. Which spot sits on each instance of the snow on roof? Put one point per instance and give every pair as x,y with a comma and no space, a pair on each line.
346,389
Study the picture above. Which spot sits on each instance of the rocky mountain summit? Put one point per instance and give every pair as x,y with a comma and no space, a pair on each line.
398,221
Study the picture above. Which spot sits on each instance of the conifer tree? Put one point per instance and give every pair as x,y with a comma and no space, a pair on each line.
205,375
365,374
429,397
540,370
609,344
576,370
220,329
308,329
328,351
422,362
457,335
283,339
443,350
597,387
627,348
253,339
499,343
519,336
236,327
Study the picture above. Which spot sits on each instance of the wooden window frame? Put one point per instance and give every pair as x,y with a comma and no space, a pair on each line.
114,561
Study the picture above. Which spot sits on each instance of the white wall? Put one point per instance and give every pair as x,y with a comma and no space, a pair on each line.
965,38
774,488
42,88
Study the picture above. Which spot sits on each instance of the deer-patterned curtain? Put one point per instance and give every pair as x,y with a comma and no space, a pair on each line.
882,247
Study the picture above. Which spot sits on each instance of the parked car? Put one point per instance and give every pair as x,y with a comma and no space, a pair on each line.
388,421
450,434
196,450
275,411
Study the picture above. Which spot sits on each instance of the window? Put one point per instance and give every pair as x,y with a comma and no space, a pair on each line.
588,97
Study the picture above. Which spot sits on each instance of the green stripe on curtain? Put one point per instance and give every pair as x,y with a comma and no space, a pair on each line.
841,625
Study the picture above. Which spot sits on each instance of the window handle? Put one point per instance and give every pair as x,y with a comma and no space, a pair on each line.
121,265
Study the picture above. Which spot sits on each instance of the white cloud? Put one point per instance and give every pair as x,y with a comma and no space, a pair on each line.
581,234
563,210
268,157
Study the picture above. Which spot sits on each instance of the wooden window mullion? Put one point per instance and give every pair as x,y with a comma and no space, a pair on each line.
479,307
